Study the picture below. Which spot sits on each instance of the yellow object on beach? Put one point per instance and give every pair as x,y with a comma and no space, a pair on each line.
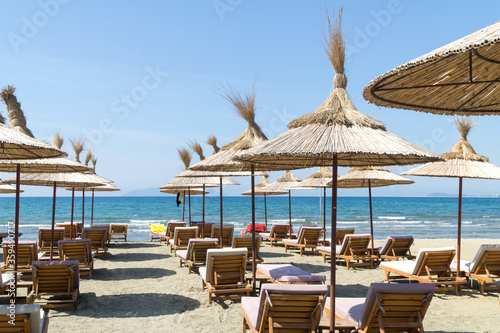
156,228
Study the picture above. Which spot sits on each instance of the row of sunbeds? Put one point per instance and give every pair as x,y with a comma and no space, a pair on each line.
296,299
47,278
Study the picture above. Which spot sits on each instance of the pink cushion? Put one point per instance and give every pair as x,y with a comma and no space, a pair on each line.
288,273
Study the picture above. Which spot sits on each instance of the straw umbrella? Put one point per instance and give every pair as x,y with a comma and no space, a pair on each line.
370,177
286,183
58,180
222,162
461,162
18,146
319,179
260,189
460,78
4,188
336,134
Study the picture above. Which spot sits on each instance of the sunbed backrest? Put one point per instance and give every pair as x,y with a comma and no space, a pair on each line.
405,301
183,234
246,242
309,235
421,255
27,316
296,291
76,249
56,276
228,252
44,237
488,254
354,239
279,230
341,232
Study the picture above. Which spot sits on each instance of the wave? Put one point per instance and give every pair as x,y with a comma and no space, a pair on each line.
286,220
148,221
392,217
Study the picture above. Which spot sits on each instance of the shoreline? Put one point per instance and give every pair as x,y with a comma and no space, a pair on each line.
140,284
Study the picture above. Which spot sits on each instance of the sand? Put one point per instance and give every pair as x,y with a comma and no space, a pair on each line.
140,287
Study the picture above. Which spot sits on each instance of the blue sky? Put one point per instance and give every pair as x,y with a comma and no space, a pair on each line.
138,79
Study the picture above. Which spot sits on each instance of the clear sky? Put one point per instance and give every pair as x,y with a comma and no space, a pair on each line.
138,79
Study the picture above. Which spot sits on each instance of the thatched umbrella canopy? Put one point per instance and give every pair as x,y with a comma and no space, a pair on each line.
20,147
336,134
260,189
460,78
4,188
222,161
461,162
177,190
319,179
370,177
212,141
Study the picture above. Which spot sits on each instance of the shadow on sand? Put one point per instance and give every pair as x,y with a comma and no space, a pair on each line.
117,274
129,305
128,257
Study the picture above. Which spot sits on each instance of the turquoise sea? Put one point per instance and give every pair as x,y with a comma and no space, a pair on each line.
422,217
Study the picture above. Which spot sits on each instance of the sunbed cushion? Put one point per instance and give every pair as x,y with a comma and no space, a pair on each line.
5,278
295,289
388,242
205,274
37,315
73,263
251,307
349,308
404,266
265,235
288,273
324,249
291,241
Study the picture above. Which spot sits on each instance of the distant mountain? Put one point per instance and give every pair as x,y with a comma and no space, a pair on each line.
148,192
439,194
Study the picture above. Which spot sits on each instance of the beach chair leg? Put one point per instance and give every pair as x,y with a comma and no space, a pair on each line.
481,286
285,248
301,251
244,326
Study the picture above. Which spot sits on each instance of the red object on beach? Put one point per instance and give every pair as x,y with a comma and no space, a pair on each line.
258,228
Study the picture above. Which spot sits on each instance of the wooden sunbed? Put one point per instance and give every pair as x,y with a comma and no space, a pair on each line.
157,231
288,274
44,238
67,229
78,249
386,308
118,231
397,247
224,274
354,250
284,308
341,232
103,226
246,242
98,238
27,252
227,234
485,268
27,318
279,231
169,230
181,238
432,265
308,237
55,278
196,253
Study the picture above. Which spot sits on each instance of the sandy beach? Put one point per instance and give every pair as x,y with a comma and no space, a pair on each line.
140,287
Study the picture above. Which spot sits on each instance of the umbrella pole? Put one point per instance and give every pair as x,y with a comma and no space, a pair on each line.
83,207
459,235
16,230
371,212
221,227
72,211
324,216
203,215
92,210
53,221
189,199
265,209
332,244
290,212
254,250
183,204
